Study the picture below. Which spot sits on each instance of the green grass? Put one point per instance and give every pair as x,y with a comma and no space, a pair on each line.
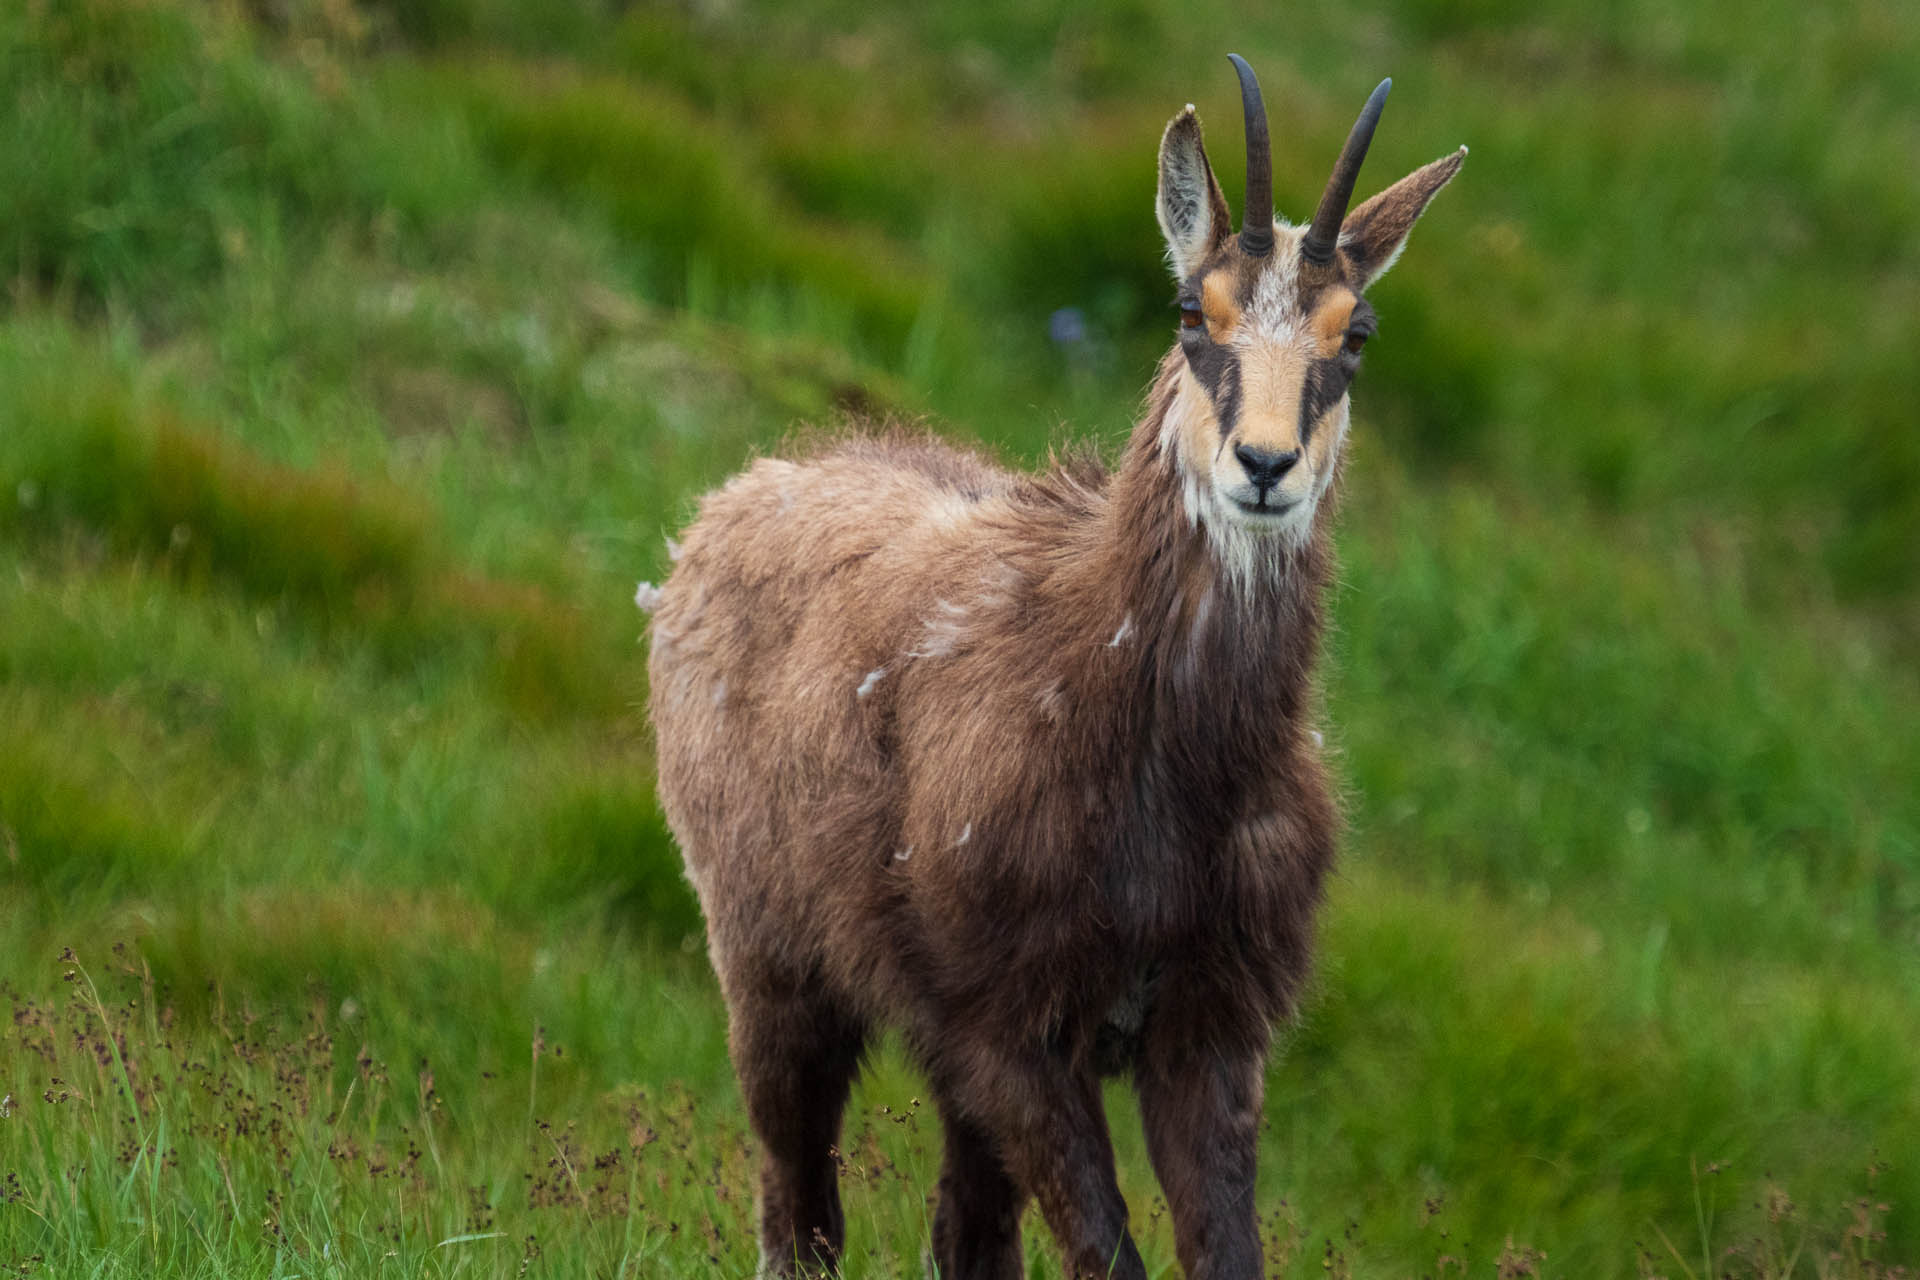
356,360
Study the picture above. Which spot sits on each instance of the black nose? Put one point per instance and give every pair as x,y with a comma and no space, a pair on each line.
1264,466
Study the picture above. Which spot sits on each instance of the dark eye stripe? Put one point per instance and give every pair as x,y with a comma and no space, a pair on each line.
1226,402
1326,382
1217,370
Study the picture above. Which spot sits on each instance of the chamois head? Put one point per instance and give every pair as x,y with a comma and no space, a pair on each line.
1272,322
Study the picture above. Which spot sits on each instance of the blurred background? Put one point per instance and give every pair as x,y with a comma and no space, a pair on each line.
357,355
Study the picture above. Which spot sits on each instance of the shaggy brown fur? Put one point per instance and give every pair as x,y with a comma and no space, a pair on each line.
1022,765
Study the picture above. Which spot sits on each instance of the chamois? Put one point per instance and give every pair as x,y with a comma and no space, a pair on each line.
1023,764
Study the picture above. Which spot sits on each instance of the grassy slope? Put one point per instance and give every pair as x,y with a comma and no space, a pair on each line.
355,363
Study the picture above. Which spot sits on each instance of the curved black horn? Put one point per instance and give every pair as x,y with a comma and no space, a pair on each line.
1317,247
1256,220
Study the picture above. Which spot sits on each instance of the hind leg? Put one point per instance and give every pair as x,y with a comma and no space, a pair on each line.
1045,1130
796,1053
976,1228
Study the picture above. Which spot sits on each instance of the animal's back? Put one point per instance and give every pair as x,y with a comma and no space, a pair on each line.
794,590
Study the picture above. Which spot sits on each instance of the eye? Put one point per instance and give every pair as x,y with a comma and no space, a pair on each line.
1190,317
1356,339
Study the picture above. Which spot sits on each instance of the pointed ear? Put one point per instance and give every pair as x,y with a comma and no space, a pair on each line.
1192,212
1373,235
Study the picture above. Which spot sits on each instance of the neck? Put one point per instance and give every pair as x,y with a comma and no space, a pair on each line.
1224,627
1199,679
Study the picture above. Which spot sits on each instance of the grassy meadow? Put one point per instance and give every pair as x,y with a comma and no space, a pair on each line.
357,355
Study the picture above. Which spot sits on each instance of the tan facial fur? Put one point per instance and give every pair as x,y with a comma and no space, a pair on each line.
1219,303
1332,311
1255,308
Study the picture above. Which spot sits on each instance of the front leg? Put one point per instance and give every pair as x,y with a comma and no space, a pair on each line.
1200,1104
